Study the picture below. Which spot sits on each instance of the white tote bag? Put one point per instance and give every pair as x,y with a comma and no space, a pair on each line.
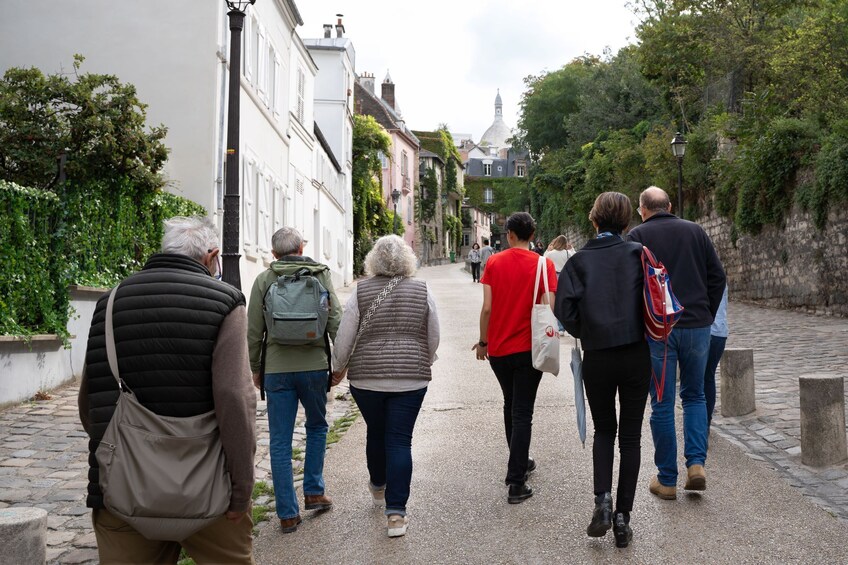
543,327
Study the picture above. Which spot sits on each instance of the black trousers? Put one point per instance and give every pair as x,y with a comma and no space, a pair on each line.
475,271
519,382
625,371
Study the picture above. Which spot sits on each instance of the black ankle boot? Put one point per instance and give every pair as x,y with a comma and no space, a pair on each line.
621,529
601,517
519,493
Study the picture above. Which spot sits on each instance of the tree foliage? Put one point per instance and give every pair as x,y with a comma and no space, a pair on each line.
758,87
102,223
371,219
95,119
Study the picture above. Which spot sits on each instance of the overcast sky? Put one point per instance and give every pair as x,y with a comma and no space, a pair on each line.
447,58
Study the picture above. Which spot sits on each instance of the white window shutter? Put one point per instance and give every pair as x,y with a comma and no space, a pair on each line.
246,35
248,204
278,86
261,70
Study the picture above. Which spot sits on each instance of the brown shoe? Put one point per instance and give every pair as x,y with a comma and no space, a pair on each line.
662,491
697,478
290,525
317,502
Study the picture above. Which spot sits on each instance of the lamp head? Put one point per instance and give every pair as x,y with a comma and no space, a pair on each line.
678,146
395,195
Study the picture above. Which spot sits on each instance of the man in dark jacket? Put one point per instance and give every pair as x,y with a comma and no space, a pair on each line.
181,348
698,280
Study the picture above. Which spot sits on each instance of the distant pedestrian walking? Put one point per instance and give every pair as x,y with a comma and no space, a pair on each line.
485,253
505,340
293,373
699,281
559,251
599,300
718,338
178,338
474,259
386,344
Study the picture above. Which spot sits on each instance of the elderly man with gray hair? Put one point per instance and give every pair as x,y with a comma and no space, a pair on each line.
179,343
293,373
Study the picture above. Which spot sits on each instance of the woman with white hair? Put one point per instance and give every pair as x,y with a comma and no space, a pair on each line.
386,344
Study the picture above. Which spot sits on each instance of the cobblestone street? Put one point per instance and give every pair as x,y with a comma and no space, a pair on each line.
786,345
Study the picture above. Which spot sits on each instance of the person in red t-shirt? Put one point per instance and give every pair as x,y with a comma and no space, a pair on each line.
505,341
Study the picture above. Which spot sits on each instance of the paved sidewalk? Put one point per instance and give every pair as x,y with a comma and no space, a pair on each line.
786,345
44,463
458,510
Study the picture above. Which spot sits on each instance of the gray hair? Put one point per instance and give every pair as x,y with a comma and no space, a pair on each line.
390,257
191,236
286,241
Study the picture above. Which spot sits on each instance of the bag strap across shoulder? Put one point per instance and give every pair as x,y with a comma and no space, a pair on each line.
366,319
111,354
540,267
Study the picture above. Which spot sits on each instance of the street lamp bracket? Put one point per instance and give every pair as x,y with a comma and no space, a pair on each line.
239,5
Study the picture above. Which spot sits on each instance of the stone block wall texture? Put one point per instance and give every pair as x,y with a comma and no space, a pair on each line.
795,267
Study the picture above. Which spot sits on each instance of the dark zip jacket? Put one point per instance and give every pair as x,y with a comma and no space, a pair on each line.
697,276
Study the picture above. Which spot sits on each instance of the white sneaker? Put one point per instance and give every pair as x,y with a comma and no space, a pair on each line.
397,525
378,495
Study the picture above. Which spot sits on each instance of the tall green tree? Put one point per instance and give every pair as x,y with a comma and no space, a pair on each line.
96,119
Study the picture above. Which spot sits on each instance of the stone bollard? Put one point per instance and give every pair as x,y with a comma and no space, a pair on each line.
823,440
737,382
23,535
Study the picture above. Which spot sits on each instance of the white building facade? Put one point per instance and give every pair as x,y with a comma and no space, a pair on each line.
176,54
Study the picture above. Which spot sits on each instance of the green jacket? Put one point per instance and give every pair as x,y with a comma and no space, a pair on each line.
289,358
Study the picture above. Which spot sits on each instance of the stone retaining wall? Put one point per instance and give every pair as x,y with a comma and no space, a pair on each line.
797,267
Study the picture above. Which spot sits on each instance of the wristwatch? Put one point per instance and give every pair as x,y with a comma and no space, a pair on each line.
482,343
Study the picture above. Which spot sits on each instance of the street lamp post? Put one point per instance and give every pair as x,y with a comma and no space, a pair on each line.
395,199
678,148
230,256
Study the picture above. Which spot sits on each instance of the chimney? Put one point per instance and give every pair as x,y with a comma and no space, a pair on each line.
388,93
339,27
328,30
367,81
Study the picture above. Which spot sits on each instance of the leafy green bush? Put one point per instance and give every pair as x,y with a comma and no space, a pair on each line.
767,172
109,230
831,184
33,288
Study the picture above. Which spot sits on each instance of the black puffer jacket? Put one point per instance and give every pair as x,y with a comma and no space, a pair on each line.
166,321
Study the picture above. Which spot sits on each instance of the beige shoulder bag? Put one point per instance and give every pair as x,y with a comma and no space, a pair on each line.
165,476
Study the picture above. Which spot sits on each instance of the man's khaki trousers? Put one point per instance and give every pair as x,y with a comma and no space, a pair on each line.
221,542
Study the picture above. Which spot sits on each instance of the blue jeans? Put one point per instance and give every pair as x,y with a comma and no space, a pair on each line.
688,347
390,417
717,344
284,390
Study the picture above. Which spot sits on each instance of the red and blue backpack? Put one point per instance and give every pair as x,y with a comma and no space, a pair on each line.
661,308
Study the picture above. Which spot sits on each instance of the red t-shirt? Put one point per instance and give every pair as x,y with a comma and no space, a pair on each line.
511,274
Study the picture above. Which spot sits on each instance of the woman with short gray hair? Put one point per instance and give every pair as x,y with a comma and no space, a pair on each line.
387,353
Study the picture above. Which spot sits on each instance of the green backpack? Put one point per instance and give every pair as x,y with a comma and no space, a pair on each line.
296,309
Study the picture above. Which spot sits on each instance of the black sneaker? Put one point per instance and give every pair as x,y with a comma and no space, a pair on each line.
519,493
621,529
